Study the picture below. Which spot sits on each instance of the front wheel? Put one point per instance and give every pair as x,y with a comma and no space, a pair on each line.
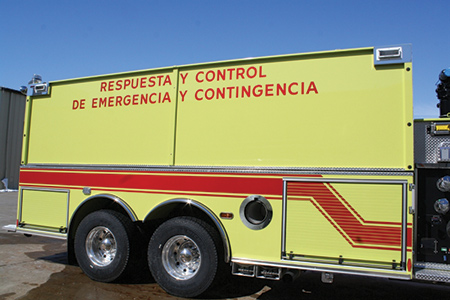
183,256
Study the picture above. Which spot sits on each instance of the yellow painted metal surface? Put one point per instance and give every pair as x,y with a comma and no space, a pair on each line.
44,208
328,110
333,110
123,120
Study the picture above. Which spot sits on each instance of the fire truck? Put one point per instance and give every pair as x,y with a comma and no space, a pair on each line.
260,167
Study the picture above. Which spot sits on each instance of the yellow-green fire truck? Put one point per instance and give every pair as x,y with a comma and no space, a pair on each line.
262,167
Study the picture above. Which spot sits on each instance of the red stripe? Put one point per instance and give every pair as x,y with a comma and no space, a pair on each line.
151,181
358,232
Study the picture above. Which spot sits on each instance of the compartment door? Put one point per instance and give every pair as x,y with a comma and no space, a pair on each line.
44,209
345,221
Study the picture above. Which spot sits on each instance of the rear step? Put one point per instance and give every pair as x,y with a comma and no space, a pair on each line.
257,271
432,271
266,272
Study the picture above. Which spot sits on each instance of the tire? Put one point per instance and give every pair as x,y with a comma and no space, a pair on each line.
103,245
183,256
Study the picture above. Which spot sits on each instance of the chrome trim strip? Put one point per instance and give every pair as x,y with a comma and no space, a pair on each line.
412,188
283,219
60,236
116,199
229,169
342,180
342,269
404,224
212,216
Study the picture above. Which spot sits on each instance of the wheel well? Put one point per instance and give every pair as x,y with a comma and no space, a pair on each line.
184,207
89,206
163,212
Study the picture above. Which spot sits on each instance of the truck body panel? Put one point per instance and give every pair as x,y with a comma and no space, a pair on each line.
104,135
333,221
296,111
301,161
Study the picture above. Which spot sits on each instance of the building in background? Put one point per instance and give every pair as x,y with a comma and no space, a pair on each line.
12,108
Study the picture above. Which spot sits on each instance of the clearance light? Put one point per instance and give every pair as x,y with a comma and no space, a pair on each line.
226,215
443,127
392,55
440,128
389,53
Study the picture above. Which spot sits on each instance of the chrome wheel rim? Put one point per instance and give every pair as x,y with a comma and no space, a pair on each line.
181,257
101,246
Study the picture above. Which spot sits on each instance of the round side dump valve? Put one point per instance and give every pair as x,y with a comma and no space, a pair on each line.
443,184
441,206
256,212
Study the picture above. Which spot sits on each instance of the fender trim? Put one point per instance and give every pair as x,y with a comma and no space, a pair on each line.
208,212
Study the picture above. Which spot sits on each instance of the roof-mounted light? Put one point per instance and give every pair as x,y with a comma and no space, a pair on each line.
444,75
23,89
36,79
36,86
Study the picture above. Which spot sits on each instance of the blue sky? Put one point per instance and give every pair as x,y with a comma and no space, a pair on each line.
69,39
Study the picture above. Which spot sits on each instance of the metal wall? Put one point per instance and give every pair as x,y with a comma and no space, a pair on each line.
12,109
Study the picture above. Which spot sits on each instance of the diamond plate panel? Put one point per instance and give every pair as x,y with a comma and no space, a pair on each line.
433,275
426,146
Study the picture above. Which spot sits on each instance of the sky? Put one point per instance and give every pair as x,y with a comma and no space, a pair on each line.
71,39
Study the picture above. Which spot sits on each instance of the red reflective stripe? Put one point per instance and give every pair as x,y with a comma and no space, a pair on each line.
331,206
170,182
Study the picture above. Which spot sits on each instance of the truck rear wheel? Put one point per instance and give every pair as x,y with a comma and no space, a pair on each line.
183,256
103,246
